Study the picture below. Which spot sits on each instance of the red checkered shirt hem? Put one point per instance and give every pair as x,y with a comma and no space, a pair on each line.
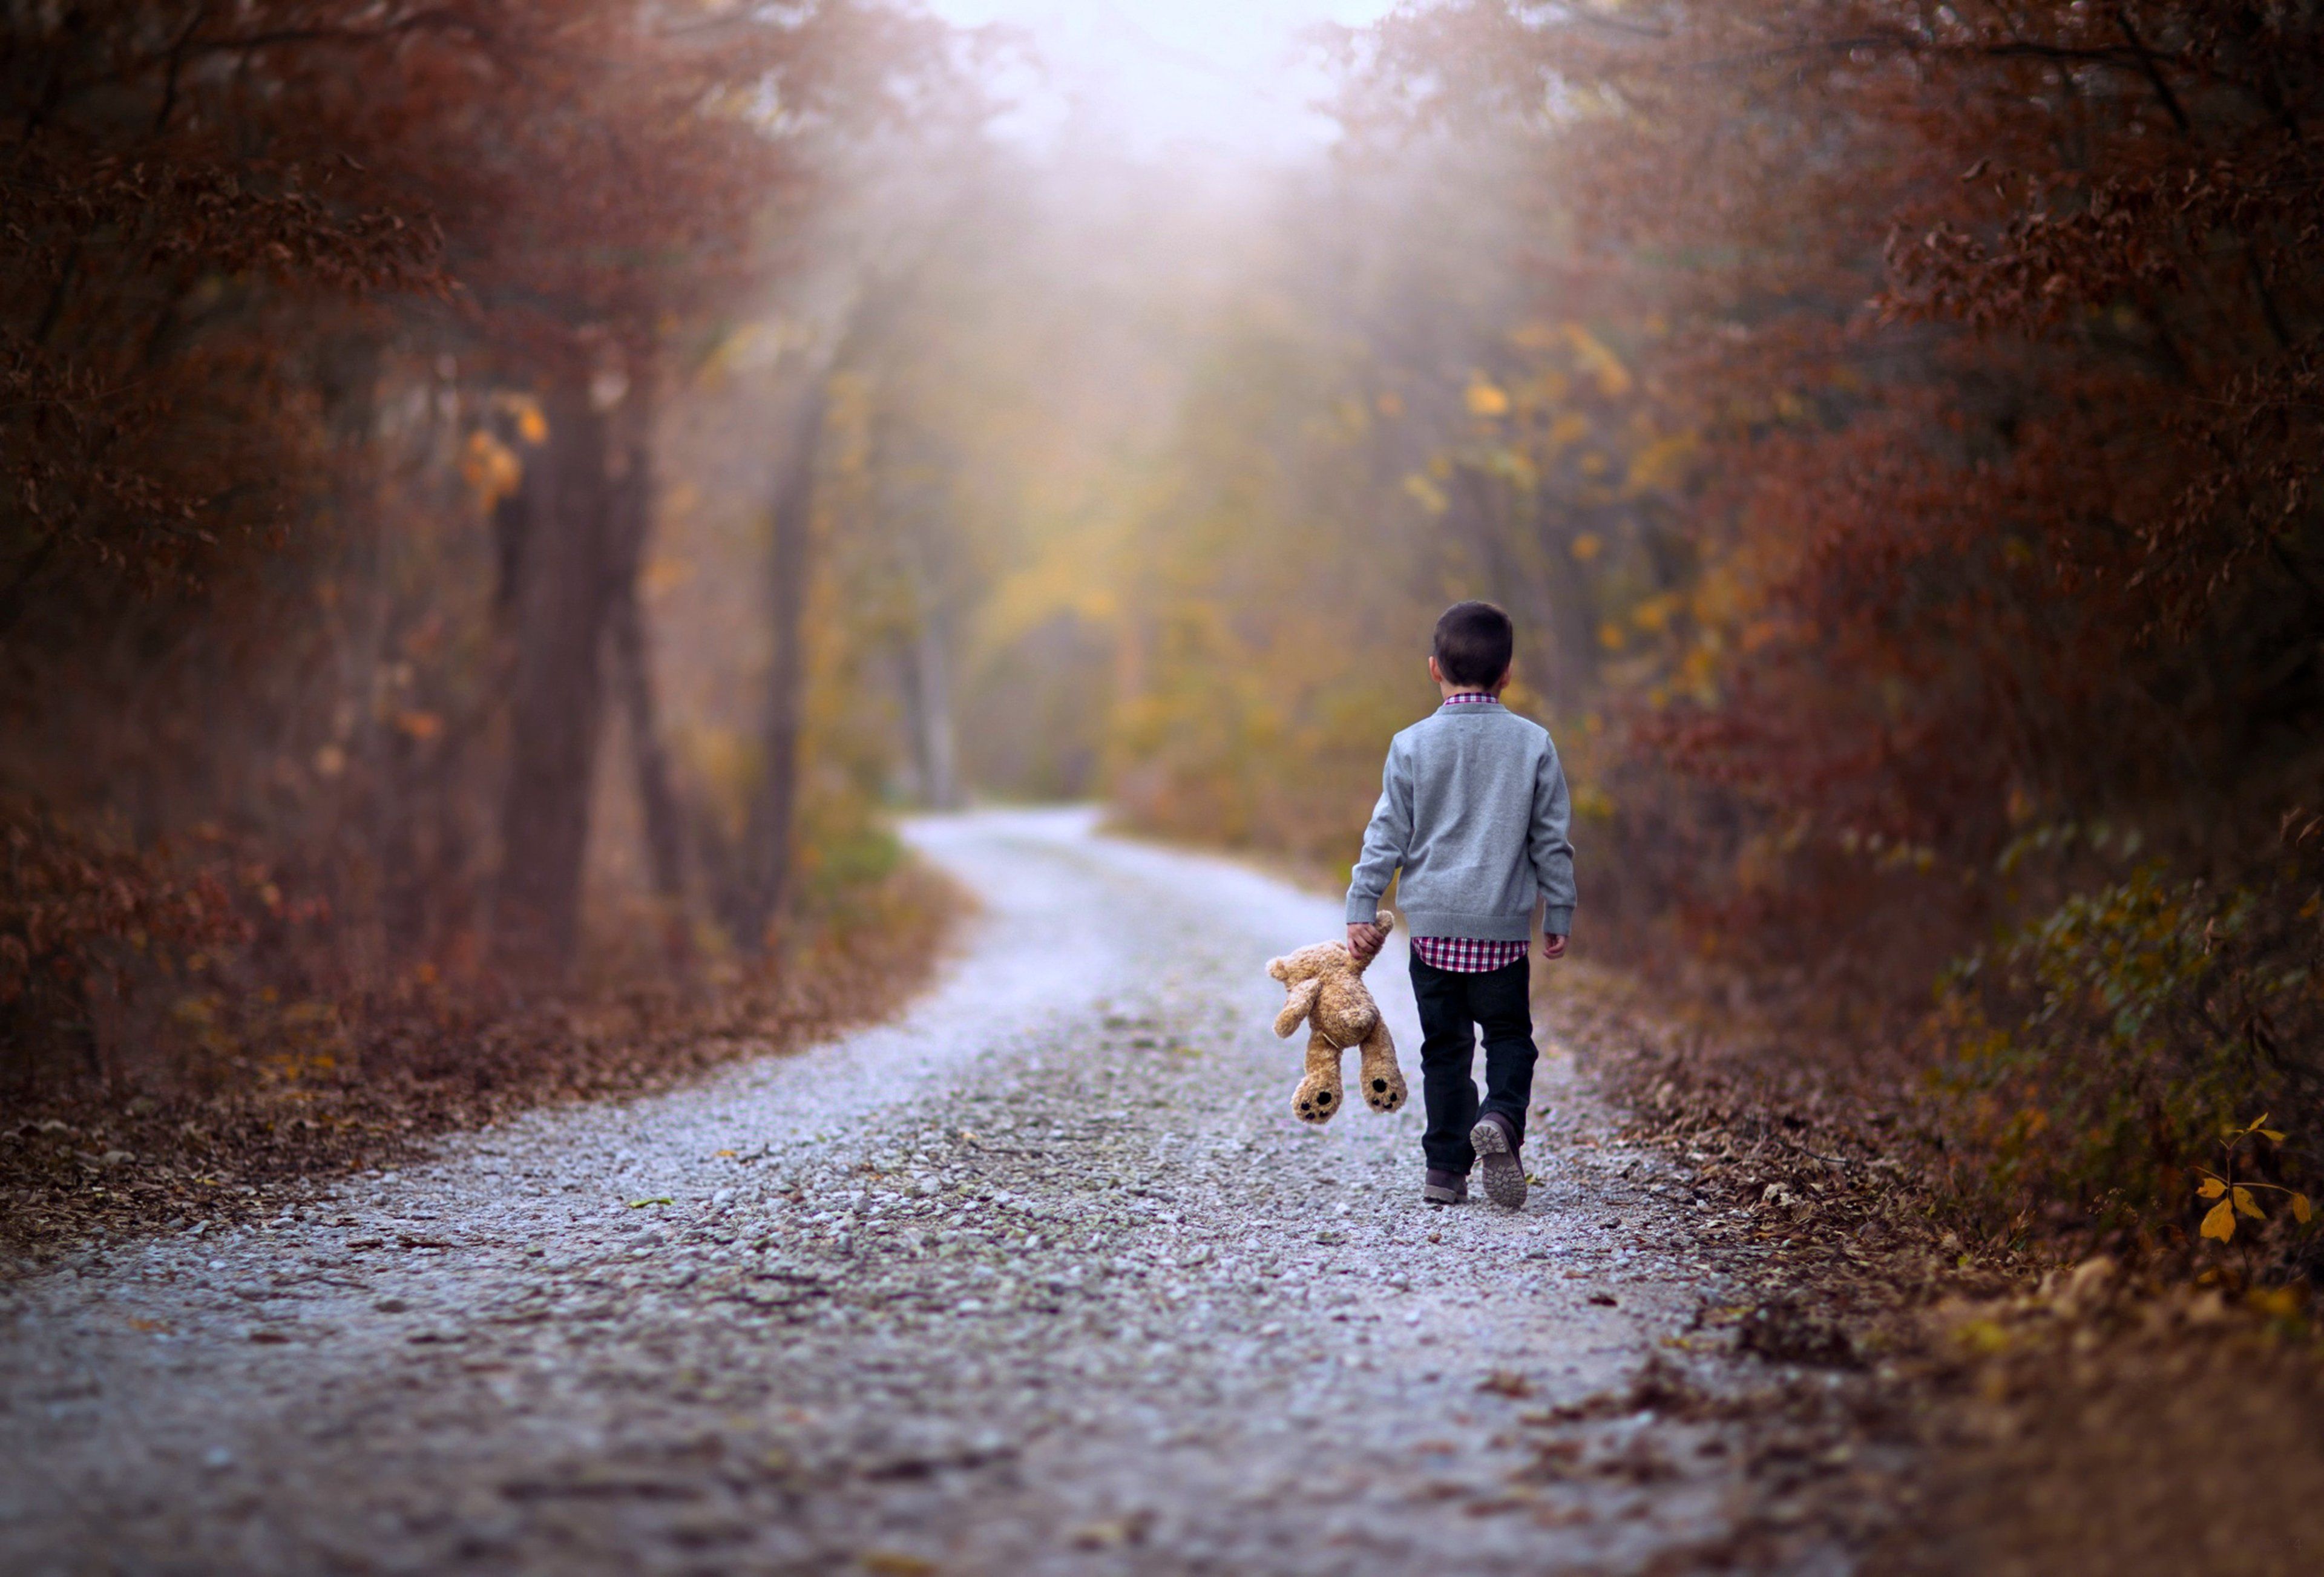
1467,955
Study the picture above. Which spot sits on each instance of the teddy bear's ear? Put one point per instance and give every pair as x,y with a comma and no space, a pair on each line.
1276,969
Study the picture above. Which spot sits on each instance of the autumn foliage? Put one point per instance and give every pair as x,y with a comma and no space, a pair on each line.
332,341
2001,327
1894,429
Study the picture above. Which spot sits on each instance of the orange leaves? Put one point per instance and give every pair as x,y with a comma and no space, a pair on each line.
490,468
1486,399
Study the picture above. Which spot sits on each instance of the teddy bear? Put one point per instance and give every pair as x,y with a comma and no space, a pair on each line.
1326,988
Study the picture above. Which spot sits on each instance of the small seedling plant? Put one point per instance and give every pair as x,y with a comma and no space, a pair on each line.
2236,1199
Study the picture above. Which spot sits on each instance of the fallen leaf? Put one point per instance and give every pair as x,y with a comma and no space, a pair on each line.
658,1199
895,1563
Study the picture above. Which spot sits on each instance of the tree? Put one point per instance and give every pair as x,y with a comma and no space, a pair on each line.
280,275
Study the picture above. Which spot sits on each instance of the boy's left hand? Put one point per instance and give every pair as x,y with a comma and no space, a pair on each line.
1553,947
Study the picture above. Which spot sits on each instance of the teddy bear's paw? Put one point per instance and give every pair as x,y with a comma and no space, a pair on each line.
1385,1091
1315,1102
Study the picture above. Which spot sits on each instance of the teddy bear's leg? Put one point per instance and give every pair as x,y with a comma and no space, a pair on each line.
1383,1080
1319,1094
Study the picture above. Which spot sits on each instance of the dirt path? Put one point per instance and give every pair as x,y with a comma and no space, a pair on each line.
1043,1278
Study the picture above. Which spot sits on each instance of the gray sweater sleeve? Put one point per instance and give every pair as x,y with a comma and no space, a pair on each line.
1384,841
1550,847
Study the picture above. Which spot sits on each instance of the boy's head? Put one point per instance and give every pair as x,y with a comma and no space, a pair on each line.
1474,642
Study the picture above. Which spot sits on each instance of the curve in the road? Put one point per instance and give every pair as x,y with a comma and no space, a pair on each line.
1044,1276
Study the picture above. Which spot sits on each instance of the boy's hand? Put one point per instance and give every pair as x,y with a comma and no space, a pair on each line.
1553,947
1364,941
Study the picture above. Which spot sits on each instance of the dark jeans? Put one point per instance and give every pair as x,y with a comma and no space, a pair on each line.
1452,1007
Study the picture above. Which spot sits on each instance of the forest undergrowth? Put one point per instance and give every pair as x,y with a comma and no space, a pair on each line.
1960,1399
246,1100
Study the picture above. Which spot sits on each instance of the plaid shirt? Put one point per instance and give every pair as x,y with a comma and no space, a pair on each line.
1467,955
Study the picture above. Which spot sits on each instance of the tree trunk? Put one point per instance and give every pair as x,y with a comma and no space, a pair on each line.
927,696
766,853
630,524
556,696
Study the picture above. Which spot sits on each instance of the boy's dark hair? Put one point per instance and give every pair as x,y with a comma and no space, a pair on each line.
1474,644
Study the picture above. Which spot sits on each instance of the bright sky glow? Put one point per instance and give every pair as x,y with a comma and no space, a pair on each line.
1225,77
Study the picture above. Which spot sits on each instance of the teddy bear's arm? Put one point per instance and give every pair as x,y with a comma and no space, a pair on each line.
1301,1002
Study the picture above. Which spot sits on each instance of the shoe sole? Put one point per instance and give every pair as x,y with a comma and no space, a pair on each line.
1505,1178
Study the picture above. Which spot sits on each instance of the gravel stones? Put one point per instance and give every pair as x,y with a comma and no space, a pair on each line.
1041,1278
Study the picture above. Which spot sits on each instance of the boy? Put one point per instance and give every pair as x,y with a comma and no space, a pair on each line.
1473,811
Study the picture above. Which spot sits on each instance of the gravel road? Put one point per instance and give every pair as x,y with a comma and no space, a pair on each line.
1044,1278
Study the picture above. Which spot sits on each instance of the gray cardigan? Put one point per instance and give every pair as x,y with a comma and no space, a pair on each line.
1473,808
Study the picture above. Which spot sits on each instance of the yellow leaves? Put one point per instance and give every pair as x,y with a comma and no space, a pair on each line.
2239,1199
1984,1337
663,574
531,426
1586,547
1071,576
2276,1302
1662,464
1614,379
1654,615
1429,496
1569,428
1485,398
1612,636
1591,803
895,1563
490,468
